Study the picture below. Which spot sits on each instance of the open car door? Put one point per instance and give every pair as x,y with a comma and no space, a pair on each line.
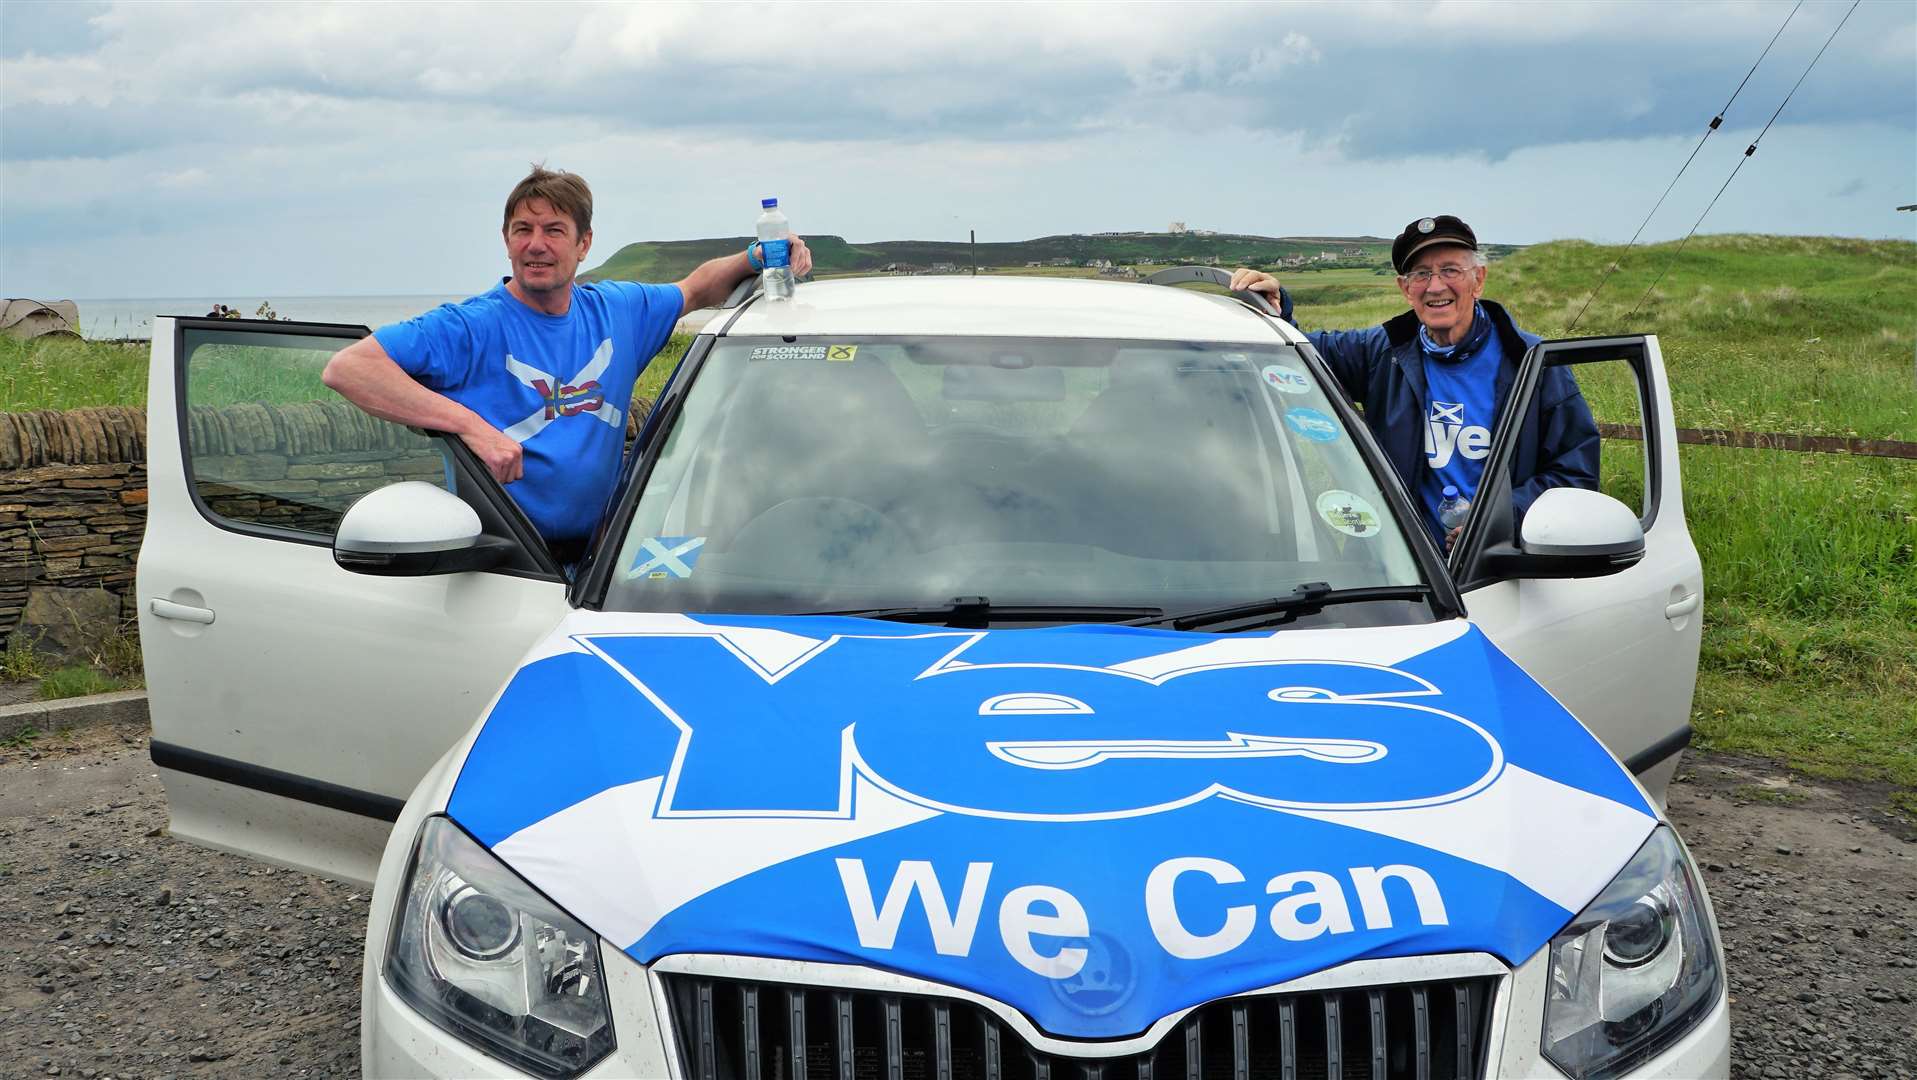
295,705
1619,650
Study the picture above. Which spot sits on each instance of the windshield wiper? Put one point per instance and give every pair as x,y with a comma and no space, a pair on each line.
1306,599
974,612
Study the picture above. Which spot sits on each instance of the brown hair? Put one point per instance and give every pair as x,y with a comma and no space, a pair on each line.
565,192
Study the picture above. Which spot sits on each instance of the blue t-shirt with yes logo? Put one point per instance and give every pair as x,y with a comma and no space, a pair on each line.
559,385
1461,407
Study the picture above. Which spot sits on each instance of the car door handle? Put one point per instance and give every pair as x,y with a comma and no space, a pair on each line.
167,609
1683,606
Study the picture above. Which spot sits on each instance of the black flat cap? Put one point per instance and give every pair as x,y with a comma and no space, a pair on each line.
1424,232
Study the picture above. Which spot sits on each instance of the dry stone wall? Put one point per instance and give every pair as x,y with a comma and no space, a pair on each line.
72,508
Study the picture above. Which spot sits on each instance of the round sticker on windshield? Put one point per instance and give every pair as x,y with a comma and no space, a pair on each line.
1312,424
1349,514
1285,380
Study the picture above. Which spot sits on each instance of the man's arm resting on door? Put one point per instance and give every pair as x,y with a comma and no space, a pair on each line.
363,374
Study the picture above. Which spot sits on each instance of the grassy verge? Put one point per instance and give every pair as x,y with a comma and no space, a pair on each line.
68,373
114,664
1810,629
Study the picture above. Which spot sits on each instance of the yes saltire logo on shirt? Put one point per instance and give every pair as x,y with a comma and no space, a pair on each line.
1446,434
1096,825
580,395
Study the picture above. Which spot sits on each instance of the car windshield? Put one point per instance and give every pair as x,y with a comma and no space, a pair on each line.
855,474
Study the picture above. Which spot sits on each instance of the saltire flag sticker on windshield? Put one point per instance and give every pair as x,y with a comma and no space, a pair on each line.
667,557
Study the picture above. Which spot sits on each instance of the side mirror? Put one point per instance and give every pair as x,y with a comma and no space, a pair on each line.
413,529
1571,533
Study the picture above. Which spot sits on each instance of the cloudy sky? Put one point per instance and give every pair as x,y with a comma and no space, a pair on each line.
285,149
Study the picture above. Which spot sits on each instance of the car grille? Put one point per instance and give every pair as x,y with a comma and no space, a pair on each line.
735,1030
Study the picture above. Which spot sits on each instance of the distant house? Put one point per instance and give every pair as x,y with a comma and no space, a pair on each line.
24,319
943,268
1035,262
1111,271
1101,264
1148,261
1354,252
1062,262
900,268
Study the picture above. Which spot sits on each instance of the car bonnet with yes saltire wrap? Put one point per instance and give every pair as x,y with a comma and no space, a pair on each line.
997,811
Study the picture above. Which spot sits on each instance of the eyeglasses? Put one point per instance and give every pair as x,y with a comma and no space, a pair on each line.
1450,274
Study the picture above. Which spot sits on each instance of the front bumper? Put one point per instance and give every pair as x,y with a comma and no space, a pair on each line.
399,1042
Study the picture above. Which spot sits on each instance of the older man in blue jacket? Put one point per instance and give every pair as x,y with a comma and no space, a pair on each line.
1433,380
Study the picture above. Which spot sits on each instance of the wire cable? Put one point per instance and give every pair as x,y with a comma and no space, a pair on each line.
1748,151
1716,122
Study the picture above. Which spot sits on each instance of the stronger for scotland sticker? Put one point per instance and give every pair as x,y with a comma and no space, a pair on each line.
788,352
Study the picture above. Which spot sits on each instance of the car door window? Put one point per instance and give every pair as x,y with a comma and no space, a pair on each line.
1618,399
270,449
1613,375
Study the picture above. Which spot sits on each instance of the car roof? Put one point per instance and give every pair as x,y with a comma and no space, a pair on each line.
1003,306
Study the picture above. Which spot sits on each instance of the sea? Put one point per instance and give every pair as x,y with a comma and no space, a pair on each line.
133,318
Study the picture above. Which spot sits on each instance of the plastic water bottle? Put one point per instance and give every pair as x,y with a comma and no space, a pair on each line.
775,242
1453,508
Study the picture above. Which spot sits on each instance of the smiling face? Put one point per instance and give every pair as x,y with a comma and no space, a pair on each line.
1444,307
545,248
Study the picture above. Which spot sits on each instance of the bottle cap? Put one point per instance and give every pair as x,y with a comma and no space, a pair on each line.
767,204
1450,490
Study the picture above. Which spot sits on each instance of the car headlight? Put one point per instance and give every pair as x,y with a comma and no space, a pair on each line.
485,956
1636,970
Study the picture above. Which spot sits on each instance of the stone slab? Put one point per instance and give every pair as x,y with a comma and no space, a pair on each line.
66,714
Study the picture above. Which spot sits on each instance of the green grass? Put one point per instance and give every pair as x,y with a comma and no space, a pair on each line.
653,379
76,680
1761,793
20,663
68,373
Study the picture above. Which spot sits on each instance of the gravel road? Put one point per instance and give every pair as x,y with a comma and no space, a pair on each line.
135,955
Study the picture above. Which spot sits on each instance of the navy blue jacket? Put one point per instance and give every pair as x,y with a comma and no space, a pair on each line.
1382,370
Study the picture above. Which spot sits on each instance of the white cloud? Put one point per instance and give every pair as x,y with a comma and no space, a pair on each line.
181,179
315,125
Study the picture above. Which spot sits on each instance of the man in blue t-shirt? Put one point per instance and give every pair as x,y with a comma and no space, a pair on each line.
1433,379
536,374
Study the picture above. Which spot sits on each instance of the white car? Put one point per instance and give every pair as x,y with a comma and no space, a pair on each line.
974,678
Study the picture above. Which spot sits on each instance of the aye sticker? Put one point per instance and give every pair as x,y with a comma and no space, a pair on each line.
841,352
1286,380
788,352
1312,424
1349,514
662,557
